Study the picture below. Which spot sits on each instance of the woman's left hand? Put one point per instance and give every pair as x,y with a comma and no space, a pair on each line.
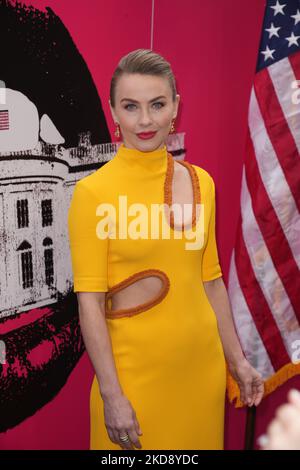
250,382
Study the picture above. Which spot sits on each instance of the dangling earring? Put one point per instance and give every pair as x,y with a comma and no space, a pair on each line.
172,127
117,131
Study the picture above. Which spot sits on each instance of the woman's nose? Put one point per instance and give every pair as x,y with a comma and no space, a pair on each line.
145,117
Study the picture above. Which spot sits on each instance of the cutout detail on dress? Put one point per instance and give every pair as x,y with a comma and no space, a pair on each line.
168,193
127,312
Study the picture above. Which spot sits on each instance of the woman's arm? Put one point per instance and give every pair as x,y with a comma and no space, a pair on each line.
249,380
97,341
119,414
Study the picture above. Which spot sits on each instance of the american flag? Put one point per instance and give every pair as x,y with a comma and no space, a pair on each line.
4,122
264,278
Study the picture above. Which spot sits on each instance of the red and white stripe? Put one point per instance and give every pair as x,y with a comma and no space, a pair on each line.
4,121
264,277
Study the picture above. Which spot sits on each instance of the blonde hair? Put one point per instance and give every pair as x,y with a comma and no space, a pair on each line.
145,62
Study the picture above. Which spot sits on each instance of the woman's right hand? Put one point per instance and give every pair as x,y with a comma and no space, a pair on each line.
120,418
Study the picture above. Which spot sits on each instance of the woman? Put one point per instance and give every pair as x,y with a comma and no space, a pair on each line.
153,307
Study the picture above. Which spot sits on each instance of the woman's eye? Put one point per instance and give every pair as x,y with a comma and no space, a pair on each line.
128,106
158,102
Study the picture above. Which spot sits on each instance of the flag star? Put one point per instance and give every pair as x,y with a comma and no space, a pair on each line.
268,53
293,40
273,31
296,17
278,8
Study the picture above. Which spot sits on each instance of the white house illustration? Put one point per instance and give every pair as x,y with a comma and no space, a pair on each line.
37,177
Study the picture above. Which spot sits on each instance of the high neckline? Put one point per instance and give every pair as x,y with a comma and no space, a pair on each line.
155,159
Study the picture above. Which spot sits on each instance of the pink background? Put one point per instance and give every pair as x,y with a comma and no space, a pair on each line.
212,47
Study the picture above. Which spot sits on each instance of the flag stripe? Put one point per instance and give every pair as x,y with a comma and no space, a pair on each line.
295,64
283,76
273,179
257,304
278,131
250,339
266,274
4,121
271,230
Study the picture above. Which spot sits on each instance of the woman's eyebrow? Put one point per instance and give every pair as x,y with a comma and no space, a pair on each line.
135,101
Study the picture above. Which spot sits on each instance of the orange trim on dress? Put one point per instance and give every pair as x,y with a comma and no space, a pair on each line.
128,312
168,191
270,385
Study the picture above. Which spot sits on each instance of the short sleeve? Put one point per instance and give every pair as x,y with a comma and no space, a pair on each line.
211,268
89,253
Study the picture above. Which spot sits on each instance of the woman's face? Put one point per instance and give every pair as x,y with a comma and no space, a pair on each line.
143,103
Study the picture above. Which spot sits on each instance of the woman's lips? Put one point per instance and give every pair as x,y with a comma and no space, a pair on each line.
146,135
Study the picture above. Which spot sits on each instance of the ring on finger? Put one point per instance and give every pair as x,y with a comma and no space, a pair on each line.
124,437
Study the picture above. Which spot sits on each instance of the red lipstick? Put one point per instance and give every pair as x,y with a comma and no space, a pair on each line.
146,135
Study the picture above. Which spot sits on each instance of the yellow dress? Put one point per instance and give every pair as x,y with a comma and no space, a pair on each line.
167,351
